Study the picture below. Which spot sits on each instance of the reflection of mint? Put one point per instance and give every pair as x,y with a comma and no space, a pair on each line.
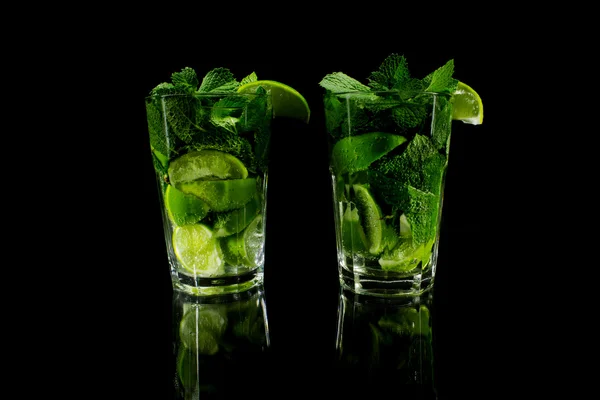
407,322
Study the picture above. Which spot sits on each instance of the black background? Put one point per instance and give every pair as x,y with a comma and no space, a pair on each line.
300,269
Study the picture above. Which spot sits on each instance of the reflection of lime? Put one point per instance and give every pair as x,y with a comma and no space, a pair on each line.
287,101
222,195
184,209
206,165
197,249
230,222
370,215
467,105
245,248
201,329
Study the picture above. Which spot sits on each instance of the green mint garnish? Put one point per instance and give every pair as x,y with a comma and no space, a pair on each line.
218,80
209,123
338,82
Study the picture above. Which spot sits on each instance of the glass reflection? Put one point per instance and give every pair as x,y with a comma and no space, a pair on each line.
220,343
385,346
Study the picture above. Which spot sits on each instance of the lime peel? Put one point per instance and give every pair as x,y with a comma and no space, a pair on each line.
287,101
467,105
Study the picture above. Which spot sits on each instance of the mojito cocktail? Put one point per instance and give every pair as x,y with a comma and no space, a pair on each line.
388,145
210,147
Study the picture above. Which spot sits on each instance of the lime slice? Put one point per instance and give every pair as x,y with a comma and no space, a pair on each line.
467,106
187,368
353,235
222,195
246,248
356,153
287,101
201,328
230,222
198,250
184,209
403,258
206,165
372,220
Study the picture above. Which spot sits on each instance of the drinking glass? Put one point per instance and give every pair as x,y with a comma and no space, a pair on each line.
210,154
388,154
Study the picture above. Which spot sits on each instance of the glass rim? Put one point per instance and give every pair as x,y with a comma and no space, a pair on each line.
206,94
377,92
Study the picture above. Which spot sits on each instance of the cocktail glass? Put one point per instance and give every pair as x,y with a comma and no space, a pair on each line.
210,154
388,160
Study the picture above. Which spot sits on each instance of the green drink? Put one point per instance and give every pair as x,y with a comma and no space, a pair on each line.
389,145
210,144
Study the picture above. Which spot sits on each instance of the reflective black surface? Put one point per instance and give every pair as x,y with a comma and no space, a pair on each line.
469,319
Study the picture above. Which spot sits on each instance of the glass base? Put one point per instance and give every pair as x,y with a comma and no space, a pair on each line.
386,286
217,286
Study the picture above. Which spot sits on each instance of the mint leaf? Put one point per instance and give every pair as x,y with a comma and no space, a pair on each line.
248,79
440,80
392,73
226,113
185,80
422,215
339,82
216,79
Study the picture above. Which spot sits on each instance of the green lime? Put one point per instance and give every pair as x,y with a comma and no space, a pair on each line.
356,153
353,235
164,160
405,231
230,222
402,258
245,248
197,250
467,105
201,329
371,218
206,165
184,209
222,195
287,101
187,368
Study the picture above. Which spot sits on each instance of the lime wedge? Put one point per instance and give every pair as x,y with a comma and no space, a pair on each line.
230,222
206,165
198,250
403,258
356,153
187,367
246,248
372,220
184,209
222,195
353,235
287,101
467,106
201,328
